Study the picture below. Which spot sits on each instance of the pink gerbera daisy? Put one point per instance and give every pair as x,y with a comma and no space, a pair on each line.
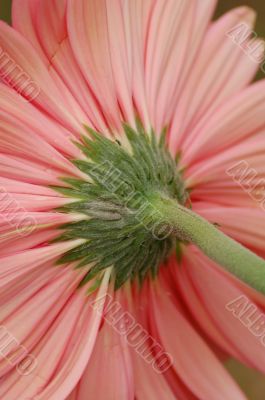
119,122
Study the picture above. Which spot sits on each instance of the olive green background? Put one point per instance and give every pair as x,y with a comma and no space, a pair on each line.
252,382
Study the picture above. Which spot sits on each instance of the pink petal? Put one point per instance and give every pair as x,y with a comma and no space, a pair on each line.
22,20
199,368
14,244
62,354
206,87
48,96
29,315
89,38
109,370
75,359
234,121
198,311
17,265
249,150
204,275
17,168
138,16
44,25
148,384
23,114
166,48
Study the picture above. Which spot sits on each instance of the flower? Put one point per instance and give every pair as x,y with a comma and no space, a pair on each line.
72,69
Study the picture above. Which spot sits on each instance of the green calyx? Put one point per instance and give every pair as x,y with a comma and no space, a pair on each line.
121,227
133,213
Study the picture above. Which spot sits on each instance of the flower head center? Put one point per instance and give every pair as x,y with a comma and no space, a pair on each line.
121,228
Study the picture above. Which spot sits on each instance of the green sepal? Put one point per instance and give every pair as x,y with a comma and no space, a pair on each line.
120,184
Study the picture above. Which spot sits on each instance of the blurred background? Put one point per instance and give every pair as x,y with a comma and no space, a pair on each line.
251,382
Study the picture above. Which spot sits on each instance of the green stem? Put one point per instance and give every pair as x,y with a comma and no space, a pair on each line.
220,248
